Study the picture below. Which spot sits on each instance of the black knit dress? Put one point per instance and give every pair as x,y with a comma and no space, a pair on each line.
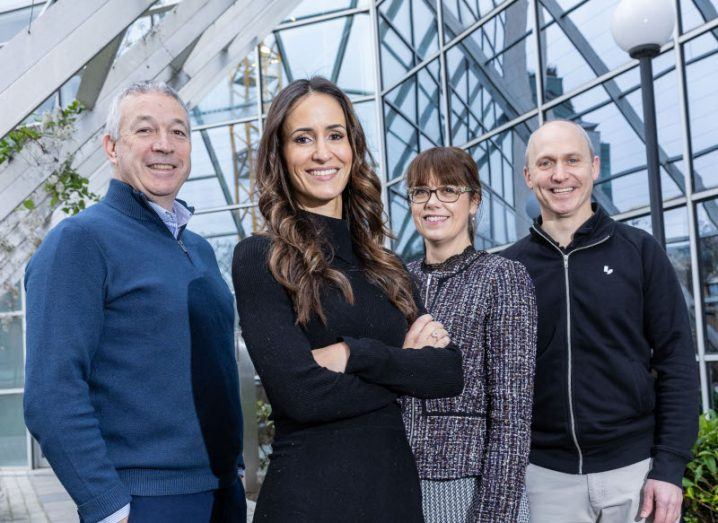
340,452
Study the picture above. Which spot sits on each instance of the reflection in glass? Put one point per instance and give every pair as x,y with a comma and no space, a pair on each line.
336,49
678,250
412,118
612,115
366,112
502,216
402,142
490,75
701,57
408,34
578,45
408,244
707,216
713,384
697,12
11,357
460,14
13,442
223,166
10,298
323,7
231,99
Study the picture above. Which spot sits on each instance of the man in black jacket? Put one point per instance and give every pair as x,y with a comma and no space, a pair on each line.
616,390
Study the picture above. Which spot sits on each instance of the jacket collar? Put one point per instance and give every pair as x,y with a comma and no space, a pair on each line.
132,202
597,227
453,264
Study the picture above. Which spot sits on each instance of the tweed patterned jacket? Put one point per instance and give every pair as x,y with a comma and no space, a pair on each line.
487,305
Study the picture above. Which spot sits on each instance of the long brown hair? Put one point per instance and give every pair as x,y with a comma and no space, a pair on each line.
297,256
446,166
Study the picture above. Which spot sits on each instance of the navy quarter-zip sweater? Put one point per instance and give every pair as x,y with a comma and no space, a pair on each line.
616,374
131,382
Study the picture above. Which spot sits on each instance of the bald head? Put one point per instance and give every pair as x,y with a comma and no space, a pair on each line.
560,126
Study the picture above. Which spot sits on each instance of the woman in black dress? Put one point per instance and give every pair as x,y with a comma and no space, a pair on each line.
325,313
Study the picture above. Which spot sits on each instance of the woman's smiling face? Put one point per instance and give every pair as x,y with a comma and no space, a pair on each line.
317,153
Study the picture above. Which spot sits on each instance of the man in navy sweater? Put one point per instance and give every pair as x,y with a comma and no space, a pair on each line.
131,383
616,389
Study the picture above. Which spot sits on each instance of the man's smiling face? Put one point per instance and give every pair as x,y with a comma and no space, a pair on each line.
561,171
152,152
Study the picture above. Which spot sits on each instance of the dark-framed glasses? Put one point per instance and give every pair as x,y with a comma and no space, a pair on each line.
445,193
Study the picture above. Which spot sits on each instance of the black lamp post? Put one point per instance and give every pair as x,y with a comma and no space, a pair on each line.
640,27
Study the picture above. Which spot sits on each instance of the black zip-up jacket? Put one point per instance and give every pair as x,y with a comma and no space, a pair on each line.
616,375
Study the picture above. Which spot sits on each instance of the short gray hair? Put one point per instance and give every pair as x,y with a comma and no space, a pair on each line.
112,124
579,128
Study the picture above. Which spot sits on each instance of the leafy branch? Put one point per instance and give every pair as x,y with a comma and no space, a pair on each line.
65,186
700,504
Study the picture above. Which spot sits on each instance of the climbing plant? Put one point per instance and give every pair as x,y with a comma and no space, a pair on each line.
65,186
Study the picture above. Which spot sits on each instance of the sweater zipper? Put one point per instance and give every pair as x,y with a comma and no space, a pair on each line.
572,417
182,246
414,400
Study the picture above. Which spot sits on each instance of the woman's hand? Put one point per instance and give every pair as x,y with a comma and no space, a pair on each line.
333,357
426,332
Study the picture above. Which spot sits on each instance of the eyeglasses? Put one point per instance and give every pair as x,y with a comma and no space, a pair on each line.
445,193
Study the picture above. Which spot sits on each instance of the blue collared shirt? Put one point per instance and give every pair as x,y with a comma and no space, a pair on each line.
175,219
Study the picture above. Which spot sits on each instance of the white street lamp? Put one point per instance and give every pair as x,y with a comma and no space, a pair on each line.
641,27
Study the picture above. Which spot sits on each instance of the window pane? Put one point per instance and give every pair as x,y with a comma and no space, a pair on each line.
490,75
337,49
460,14
701,56
713,384
612,115
707,215
13,442
11,359
323,7
10,298
408,34
232,98
223,166
579,46
678,250
408,243
500,159
697,12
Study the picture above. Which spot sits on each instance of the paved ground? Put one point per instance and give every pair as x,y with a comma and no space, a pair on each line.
37,497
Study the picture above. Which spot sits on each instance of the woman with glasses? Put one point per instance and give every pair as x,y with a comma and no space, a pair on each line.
325,312
471,450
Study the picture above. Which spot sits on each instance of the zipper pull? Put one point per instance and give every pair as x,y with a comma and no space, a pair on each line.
184,249
565,261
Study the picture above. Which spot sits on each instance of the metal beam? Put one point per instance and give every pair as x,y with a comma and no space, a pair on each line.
249,23
707,11
594,61
339,58
36,64
148,58
232,38
95,73
219,173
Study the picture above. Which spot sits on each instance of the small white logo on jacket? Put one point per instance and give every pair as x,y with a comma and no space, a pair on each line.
607,269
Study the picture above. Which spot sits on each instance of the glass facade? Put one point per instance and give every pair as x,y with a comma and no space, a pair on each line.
480,75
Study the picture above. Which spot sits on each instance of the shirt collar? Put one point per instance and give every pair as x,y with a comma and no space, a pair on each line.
179,215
